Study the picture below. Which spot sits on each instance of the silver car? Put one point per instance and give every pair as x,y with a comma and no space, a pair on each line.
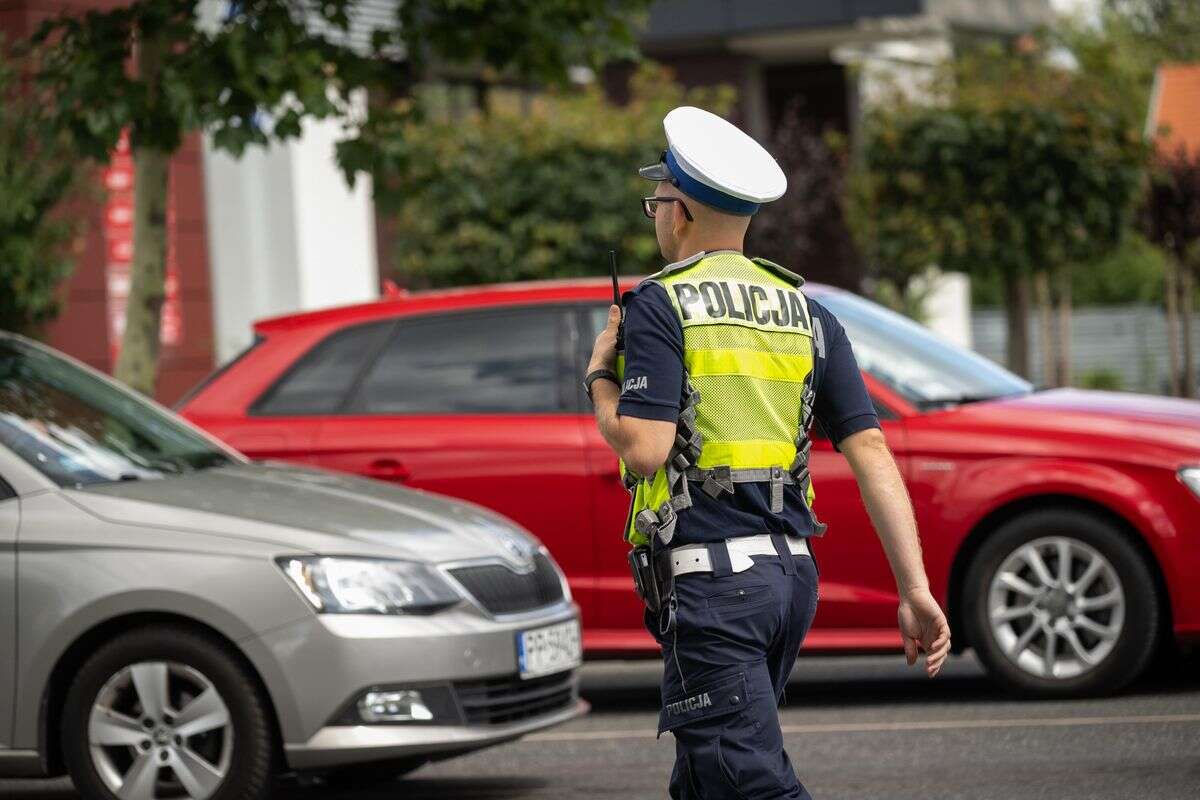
176,621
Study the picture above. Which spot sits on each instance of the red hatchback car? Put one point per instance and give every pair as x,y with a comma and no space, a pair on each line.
1061,528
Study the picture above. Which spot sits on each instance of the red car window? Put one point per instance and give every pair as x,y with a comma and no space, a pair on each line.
500,362
320,381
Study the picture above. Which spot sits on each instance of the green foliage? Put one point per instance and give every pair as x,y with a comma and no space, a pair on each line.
533,193
256,75
806,228
36,175
1101,378
295,59
1171,216
1134,38
1165,30
1017,166
1131,273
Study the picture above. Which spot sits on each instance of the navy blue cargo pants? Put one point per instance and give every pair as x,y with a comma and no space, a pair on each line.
729,641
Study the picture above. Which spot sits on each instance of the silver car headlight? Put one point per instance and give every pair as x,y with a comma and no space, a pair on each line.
1191,479
335,585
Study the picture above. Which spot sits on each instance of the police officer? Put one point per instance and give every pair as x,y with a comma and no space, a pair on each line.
726,365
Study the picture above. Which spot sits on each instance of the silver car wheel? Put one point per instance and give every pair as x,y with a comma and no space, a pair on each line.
160,729
1056,607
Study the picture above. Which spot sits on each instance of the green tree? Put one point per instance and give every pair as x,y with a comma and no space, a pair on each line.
150,68
36,176
533,192
806,228
1133,272
1171,218
1014,167
1152,31
1143,35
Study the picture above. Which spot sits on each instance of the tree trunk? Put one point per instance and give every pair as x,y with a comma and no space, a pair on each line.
1062,370
137,363
1016,309
1041,292
1187,291
1171,284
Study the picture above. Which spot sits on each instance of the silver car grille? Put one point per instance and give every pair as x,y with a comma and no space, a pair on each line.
502,590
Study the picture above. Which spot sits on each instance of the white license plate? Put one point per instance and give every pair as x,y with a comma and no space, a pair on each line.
555,648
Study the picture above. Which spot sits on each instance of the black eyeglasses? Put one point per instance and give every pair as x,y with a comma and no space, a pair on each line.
650,206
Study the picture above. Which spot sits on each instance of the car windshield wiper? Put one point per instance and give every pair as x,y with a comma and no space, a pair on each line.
208,460
926,404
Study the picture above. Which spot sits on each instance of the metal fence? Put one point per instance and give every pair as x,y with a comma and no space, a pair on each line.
1130,342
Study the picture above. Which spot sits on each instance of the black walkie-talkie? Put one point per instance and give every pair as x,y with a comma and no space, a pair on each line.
612,266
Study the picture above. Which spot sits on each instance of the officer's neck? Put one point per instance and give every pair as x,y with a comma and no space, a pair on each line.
707,244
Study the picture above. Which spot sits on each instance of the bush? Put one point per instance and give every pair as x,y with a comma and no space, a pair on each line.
1101,378
36,174
543,192
1130,273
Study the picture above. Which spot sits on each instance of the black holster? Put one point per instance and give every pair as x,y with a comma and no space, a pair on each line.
645,577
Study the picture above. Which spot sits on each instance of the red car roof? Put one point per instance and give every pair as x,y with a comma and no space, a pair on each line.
491,294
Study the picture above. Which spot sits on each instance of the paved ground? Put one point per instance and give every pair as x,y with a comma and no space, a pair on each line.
856,728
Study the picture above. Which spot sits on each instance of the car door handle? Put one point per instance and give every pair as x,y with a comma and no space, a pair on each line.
389,469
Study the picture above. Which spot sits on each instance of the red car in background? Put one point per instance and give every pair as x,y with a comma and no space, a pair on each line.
1061,528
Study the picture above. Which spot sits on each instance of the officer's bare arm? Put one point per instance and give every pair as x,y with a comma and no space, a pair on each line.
643,444
922,623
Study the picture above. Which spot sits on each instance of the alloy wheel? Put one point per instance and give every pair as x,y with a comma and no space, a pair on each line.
158,730
1056,607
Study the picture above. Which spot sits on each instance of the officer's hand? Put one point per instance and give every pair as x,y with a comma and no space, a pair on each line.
924,626
604,352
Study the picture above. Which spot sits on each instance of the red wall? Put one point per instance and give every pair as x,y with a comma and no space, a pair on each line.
82,326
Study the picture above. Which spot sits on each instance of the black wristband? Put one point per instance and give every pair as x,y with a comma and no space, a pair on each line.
597,375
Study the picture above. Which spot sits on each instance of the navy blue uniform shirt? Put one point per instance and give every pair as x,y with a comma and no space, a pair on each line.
653,382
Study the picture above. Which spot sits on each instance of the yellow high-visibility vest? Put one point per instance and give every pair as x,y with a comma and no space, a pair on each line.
747,397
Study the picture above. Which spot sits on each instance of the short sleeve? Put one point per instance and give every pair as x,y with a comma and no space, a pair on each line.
843,405
653,379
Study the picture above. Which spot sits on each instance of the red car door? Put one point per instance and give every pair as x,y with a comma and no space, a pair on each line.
858,592
478,405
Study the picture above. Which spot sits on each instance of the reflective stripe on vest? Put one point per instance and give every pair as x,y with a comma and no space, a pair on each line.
747,396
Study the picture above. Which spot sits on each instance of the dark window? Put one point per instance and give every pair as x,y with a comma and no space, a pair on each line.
318,383
6,491
477,363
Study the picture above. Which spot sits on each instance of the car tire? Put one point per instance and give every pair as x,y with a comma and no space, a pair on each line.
212,738
1104,632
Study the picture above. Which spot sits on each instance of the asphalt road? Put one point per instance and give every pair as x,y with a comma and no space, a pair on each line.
855,728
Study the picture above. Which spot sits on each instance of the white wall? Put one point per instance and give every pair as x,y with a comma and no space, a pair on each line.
285,233
947,305
335,237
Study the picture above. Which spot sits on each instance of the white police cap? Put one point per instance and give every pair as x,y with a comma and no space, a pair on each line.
715,162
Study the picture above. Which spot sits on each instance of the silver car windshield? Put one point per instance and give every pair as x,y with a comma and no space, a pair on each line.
78,429
927,371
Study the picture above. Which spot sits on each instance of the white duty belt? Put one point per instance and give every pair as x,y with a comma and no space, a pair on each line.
690,558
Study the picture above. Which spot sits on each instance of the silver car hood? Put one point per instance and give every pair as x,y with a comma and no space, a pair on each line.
309,510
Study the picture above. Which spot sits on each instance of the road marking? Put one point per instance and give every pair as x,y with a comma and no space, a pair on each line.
915,725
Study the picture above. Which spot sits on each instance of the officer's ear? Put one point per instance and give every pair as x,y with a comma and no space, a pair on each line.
679,221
